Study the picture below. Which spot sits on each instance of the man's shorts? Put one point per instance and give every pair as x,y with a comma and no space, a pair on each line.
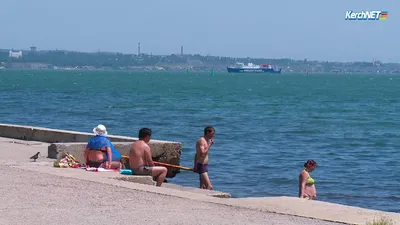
143,170
202,168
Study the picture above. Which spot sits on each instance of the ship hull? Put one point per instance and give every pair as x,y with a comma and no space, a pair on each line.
252,70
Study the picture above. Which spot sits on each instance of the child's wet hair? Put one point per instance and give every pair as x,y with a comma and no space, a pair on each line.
310,163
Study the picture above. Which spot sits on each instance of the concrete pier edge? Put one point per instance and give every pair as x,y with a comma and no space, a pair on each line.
51,135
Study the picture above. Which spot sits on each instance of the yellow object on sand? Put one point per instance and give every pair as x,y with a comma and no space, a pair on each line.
68,161
70,156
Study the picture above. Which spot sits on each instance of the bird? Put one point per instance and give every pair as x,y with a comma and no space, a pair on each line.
35,156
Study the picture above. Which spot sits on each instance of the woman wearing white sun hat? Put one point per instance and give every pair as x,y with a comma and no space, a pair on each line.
100,130
100,152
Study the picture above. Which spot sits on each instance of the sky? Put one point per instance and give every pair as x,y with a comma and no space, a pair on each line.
315,30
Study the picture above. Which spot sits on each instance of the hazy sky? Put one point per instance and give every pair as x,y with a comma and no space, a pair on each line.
256,28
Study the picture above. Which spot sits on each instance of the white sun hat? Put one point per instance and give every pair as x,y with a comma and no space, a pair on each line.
100,130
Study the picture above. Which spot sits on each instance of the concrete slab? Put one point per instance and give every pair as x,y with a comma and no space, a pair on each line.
211,193
49,135
19,151
137,179
35,198
74,142
315,209
161,152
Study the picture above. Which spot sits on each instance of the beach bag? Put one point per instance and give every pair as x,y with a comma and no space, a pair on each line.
67,161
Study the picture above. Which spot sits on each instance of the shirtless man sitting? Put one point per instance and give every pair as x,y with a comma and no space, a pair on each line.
201,157
140,160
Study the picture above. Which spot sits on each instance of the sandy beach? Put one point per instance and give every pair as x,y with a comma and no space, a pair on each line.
37,193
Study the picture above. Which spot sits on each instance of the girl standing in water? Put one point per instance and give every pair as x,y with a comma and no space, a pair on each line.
306,182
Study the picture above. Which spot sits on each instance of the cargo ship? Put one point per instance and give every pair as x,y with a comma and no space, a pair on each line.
252,68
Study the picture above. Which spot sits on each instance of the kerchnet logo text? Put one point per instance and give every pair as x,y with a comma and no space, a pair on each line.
366,15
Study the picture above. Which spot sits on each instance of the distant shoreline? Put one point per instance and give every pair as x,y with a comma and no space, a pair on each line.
190,71
56,59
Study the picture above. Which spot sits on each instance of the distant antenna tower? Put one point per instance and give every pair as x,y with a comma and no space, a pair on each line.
33,48
138,49
182,50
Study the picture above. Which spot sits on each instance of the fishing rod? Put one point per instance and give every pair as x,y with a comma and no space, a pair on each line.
167,165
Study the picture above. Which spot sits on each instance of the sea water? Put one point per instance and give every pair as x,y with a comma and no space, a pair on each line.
267,125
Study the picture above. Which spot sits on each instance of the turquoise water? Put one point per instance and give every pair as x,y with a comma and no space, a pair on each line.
267,126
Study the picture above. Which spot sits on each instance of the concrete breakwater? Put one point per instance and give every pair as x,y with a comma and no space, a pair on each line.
74,142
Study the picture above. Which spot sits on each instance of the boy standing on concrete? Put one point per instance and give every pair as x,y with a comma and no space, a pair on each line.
201,157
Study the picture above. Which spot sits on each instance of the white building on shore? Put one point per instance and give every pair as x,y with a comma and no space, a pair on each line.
15,54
